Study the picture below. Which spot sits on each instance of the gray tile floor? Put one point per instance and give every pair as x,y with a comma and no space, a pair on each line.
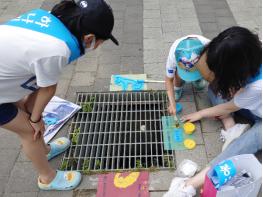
146,29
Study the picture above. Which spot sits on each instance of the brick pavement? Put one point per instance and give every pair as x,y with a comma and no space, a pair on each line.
146,29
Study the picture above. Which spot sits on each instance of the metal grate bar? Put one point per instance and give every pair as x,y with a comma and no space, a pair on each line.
118,131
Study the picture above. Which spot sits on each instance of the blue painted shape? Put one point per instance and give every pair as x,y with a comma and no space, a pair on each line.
136,84
178,134
179,107
50,119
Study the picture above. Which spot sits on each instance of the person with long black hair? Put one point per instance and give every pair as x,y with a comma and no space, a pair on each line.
34,49
232,63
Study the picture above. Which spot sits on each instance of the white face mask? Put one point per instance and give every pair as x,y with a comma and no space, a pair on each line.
92,45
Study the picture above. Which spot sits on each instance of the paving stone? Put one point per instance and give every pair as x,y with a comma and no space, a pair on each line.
151,44
202,100
22,194
8,140
83,79
62,87
210,19
118,14
211,125
22,157
149,22
23,178
160,180
68,71
227,21
132,65
8,158
87,64
55,194
208,27
88,182
151,14
85,193
211,35
152,32
223,12
110,59
108,45
154,56
157,194
197,155
170,27
118,6
156,86
133,37
72,91
213,144
129,50
188,107
102,84
3,183
155,69
154,76
106,70
151,6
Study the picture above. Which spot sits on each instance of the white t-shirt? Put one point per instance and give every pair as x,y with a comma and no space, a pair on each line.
171,60
28,60
250,98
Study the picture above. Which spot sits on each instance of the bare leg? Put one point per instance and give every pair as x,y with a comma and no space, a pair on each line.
34,150
27,105
198,180
228,121
177,80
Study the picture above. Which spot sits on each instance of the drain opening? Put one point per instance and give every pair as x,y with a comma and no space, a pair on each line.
118,131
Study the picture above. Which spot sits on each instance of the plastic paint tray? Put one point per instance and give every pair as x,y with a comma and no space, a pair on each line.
173,137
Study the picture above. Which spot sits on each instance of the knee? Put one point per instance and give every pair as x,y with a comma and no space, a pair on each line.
27,135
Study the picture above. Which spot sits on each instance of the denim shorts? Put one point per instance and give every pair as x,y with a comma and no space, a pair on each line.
8,112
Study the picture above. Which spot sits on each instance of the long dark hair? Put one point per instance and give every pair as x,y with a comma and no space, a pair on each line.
234,56
70,15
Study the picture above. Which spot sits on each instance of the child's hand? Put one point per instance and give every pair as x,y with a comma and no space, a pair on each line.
171,110
192,117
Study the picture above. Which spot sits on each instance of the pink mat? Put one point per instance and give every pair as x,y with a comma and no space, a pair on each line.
128,184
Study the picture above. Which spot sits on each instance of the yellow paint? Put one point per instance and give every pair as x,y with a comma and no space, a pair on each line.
59,142
189,128
70,176
124,182
189,144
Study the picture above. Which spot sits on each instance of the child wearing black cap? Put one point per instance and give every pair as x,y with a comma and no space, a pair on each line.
44,44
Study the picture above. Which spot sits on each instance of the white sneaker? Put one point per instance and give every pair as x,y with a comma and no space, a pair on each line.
233,133
179,189
223,135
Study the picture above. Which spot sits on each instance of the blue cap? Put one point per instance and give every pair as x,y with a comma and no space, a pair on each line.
187,54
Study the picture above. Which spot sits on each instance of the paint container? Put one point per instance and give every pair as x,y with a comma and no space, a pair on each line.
189,128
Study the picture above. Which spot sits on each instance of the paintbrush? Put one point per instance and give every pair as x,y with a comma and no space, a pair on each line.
177,122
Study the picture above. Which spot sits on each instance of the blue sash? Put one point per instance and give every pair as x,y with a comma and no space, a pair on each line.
44,22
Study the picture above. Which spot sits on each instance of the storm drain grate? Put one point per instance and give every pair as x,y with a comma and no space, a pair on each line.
118,131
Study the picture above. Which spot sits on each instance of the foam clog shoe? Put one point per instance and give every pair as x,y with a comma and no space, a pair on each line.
57,147
64,180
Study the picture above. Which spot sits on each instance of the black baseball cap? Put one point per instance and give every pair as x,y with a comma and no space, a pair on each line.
97,15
